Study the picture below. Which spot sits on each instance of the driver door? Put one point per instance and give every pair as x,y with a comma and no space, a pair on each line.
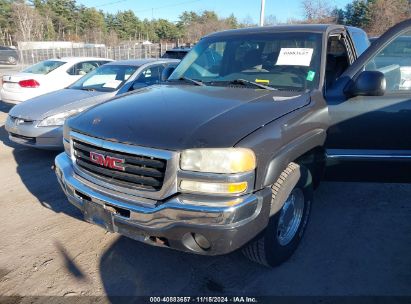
369,138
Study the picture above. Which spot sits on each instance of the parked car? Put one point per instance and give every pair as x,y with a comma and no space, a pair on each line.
400,49
176,53
46,76
38,122
227,155
9,55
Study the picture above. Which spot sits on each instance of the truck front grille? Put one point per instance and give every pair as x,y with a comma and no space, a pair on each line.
136,171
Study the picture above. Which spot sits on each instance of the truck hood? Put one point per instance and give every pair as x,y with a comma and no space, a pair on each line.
176,117
56,102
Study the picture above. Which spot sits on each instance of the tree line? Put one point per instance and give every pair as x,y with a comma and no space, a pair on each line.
66,20
374,16
38,20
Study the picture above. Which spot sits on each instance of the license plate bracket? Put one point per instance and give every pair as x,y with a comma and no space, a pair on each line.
98,215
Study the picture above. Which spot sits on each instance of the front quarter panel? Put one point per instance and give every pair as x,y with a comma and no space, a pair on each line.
287,138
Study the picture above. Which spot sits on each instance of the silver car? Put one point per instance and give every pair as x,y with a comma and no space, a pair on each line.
38,122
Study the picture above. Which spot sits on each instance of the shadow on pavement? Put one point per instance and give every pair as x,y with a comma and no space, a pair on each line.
5,107
34,169
69,262
357,243
130,268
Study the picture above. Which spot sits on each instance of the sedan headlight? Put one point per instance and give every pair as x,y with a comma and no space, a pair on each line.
58,119
225,160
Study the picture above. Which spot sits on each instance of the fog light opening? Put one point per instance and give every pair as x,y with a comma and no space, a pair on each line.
196,242
82,195
201,241
117,210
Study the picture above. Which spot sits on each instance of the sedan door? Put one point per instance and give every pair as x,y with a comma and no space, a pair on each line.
370,133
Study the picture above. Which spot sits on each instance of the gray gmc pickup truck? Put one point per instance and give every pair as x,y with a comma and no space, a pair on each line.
227,154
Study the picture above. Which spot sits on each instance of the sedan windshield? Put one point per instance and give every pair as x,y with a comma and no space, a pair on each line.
44,67
107,78
284,61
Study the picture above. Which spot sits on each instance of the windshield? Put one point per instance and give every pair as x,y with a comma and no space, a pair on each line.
44,67
288,61
107,78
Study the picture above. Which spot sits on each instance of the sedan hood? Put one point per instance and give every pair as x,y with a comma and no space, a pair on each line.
176,117
56,102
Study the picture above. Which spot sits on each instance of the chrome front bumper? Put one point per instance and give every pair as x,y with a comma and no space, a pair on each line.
198,224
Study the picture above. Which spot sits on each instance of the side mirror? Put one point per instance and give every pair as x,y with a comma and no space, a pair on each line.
167,72
369,83
138,85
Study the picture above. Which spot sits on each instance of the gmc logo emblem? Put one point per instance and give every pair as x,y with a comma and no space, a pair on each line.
107,161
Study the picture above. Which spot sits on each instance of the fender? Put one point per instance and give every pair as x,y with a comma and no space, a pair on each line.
291,152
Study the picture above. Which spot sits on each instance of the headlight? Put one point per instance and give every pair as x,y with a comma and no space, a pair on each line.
223,160
58,119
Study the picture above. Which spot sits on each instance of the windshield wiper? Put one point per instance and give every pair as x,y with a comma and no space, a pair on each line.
196,82
249,82
88,89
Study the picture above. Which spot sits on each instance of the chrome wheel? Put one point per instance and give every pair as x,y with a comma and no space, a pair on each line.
290,217
11,60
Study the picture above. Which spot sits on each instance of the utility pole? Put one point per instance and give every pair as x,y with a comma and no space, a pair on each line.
262,13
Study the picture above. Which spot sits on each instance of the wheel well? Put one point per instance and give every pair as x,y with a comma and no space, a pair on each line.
314,160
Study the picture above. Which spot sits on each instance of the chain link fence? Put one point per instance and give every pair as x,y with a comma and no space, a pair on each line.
122,52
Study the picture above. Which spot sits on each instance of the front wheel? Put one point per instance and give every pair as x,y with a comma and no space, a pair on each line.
278,241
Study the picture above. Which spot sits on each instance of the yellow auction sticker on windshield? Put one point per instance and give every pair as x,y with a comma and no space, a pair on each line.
264,81
295,56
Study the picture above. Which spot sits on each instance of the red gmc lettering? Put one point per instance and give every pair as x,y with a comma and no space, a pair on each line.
107,161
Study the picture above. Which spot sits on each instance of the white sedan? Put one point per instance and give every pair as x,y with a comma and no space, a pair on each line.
46,76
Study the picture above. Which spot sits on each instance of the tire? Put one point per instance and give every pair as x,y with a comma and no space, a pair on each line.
11,60
278,241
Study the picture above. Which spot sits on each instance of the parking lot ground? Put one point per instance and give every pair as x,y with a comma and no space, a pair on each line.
358,242
7,68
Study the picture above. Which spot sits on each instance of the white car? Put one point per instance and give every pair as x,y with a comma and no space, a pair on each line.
46,76
38,122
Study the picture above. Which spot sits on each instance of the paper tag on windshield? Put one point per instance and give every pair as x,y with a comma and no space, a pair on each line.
112,84
295,56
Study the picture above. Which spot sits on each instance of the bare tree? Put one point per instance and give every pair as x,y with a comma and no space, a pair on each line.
196,30
200,25
111,38
248,21
318,11
270,20
5,37
29,23
386,13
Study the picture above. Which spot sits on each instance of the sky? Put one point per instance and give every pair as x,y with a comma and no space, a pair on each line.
171,9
